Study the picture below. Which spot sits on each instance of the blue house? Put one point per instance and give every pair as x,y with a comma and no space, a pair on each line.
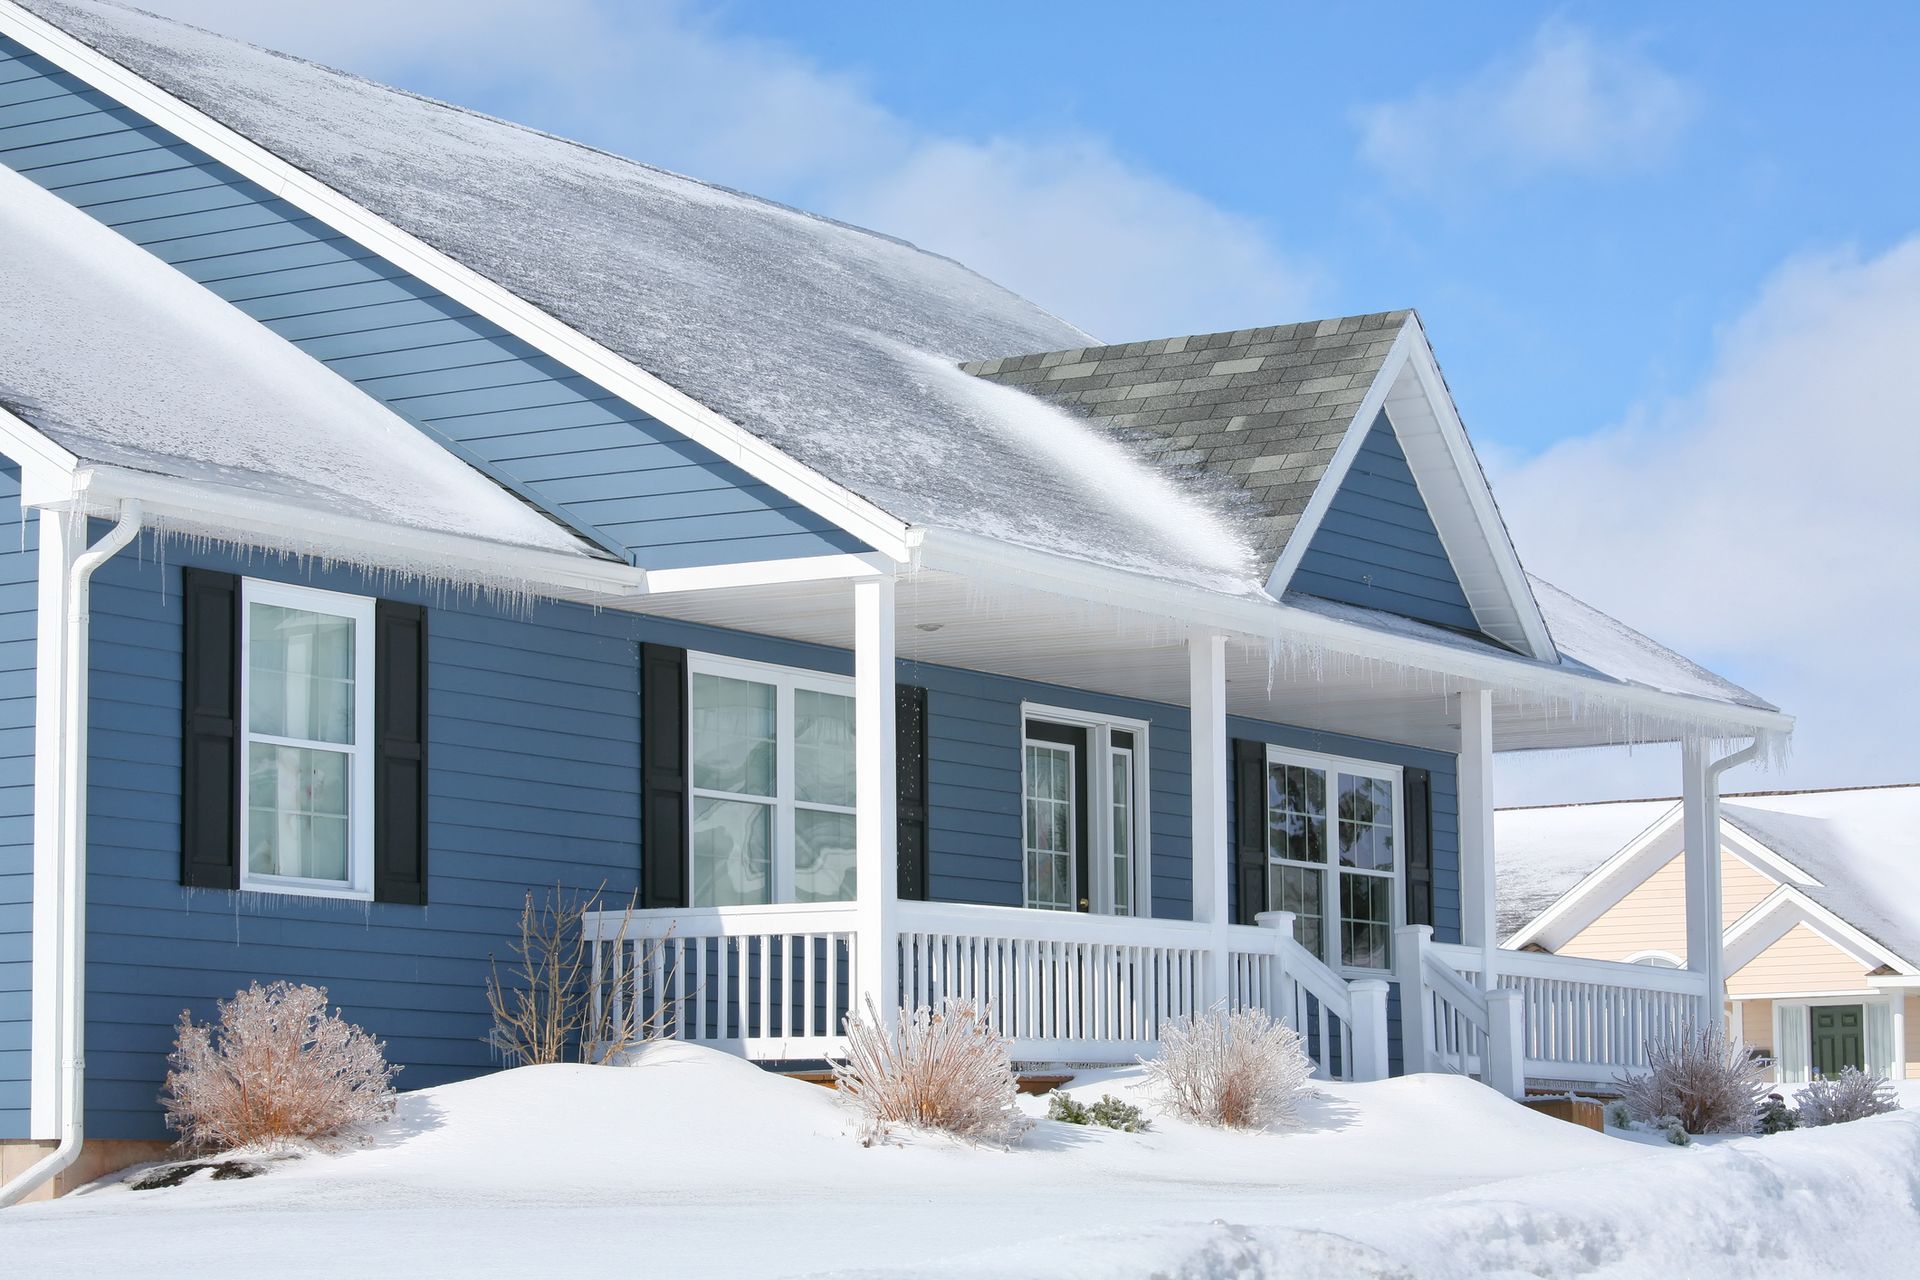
404,511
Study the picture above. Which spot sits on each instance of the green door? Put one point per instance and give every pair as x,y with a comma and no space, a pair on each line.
1839,1039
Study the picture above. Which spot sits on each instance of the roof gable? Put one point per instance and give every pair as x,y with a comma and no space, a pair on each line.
598,465
1377,546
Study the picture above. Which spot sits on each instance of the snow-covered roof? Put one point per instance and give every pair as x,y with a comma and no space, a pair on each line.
1542,852
122,360
1860,846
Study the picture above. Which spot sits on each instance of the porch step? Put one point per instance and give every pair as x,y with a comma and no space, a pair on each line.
1032,1085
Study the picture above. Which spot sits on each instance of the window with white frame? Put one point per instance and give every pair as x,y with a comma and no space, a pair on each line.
772,783
306,699
1083,813
1333,841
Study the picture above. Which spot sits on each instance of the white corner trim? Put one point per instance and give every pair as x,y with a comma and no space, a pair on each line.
1342,461
57,552
1601,889
674,408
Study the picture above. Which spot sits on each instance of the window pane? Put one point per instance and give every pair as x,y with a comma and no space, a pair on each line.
1296,813
732,731
822,856
1299,890
1366,823
1366,920
297,819
1049,813
732,848
822,748
1122,774
299,674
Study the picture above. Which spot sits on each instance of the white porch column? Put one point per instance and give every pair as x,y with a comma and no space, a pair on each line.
876,833
1478,873
1207,689
1700,832
58,548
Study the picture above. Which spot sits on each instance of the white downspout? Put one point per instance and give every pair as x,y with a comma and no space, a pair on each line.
70,888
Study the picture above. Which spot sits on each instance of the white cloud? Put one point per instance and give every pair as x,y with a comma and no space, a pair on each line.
1061,219
1767,523
1571,103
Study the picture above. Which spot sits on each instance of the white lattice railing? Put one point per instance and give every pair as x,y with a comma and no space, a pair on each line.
1061,986
1588,1021
771,983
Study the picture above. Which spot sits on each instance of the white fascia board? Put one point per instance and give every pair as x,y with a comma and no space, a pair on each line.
1342,461
1262,619
1761,858
1601,889
40,459
1490,527
854,514
1772,917
252,518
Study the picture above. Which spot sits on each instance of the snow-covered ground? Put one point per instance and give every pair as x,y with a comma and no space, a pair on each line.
692,1163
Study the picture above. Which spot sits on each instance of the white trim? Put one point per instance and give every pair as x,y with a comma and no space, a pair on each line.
1100,751
1263,620
1409,364
1331,766
784,802
360,795
1074,853
58,550
1749,936
485,297
31,447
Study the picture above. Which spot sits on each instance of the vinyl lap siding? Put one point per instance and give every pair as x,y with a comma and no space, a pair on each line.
612,471
1377,545
1652,916
534,756
19,559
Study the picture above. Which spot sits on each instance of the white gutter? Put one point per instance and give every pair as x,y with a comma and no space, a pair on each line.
70,886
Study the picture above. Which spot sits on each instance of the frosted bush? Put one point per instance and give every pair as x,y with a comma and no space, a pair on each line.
275,1067
1776,1116
1701,1081
1110,1113
1241,1069
945,1069
1851,1095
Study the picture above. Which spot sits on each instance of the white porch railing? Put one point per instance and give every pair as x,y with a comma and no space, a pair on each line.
775,983
770,983
1588,1021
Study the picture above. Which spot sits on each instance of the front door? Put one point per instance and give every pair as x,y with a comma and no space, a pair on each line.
1056,817
1839,1038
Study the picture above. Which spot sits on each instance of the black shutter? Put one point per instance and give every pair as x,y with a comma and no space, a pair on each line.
400,753
664,850
910,767
1250,828
210,732
1418,786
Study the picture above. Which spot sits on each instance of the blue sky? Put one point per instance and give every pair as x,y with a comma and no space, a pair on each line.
1667,254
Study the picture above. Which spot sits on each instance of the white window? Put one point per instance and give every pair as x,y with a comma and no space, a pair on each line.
1083,813
1333,854
772,784
306,701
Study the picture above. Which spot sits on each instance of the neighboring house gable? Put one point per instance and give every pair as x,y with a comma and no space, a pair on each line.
1652,917
1377,545
1801,960
604,468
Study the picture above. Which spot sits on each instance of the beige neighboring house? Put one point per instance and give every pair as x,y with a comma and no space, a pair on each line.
1820,903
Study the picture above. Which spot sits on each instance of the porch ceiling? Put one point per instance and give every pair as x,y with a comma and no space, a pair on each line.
979,625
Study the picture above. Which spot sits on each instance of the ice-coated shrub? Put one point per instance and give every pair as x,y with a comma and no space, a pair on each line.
1241,1069
1701,1080
1618,1115
1110,1112
945,1069
1776,1116
1851,1095
275,1067
1676,1132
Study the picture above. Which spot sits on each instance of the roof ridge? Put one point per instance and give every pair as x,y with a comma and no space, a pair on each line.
1160,346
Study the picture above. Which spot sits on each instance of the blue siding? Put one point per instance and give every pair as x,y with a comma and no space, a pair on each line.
19,560
569,445
1377,546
